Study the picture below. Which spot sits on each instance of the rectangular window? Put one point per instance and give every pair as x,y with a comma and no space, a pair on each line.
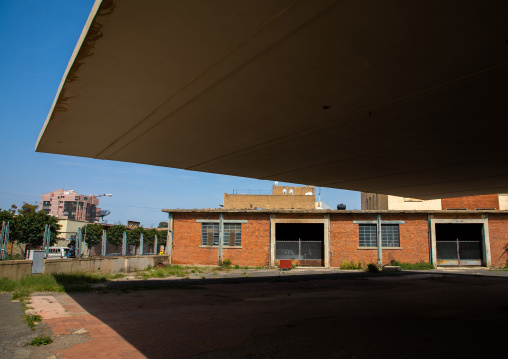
232,234
390,236
368,235
210,234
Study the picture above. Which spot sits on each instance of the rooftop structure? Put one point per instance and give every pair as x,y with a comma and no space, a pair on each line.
282,197
374,201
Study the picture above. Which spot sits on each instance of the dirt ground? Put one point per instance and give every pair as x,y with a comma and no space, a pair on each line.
453,314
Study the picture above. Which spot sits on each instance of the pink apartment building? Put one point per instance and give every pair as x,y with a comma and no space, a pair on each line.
68,204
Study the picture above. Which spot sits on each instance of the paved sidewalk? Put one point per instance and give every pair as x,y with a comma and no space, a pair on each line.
14,332
420,316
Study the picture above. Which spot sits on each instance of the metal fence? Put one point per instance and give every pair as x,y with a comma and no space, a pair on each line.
301,250
123,247
79,246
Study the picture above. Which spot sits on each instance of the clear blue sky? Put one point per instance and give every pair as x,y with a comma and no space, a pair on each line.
37,38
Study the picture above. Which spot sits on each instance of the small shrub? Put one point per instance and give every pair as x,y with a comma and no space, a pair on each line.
373,268
226,263
346,265
42,340
236,266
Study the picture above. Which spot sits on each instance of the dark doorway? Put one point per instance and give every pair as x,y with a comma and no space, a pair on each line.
459,244
301,242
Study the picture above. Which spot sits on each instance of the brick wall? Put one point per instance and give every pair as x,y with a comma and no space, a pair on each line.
498,235
254,250
488,201
252,201
344,239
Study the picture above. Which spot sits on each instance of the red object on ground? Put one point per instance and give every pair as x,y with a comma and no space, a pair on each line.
286,264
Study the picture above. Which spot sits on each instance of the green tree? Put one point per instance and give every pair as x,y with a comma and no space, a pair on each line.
27,208
163,225
133,235
7,216
93,234
115,234
29,228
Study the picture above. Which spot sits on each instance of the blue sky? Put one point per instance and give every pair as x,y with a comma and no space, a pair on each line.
37,39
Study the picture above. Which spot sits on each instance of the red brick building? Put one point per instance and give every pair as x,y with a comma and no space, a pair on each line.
329,237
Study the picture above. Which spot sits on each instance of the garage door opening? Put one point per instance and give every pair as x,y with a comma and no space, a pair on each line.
301,242
459,244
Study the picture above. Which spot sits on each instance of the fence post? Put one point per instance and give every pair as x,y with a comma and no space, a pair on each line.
141,240
299,249
78,244
155,251
6,239
124,244
2,240
379,235
104,242
46,240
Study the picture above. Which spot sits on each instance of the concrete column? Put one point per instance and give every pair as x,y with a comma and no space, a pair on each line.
379,242
169,239
221,236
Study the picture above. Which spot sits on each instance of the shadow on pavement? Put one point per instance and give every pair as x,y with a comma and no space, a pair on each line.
351,315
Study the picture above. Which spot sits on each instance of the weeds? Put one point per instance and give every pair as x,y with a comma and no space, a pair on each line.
32,320
42,340
167,271
346,265
412,266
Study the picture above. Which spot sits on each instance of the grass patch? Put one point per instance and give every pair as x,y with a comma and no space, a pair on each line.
32,320
73,282
505,268
351,265
40,341
22,288
412,266
168,271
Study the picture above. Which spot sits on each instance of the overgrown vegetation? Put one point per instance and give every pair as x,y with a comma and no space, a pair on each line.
373,268
226,263
171,271
41,340
32,320
412,266
351,265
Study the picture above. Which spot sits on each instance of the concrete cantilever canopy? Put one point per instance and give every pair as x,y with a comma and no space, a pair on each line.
400,97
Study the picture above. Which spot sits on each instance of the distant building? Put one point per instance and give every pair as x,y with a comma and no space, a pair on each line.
375,202
71,205
282,197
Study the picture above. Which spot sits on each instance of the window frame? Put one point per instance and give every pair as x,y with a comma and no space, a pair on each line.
230,228
390,235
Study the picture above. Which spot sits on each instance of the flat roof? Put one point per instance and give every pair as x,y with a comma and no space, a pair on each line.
407,98
324,211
